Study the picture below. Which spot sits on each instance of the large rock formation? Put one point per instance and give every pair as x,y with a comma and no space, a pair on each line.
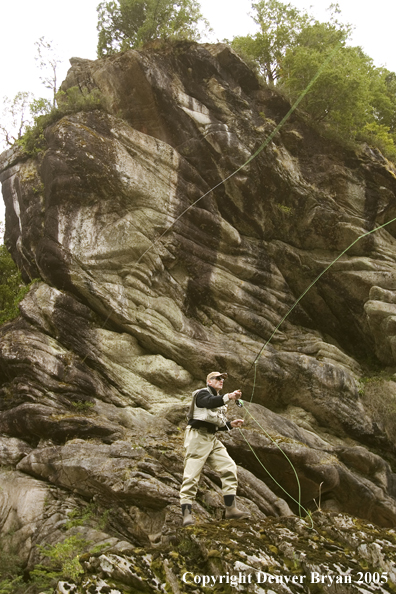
161,255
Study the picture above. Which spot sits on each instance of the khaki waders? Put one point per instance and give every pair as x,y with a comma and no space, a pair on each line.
201,447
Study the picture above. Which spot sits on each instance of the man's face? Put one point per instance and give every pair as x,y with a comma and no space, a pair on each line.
216,383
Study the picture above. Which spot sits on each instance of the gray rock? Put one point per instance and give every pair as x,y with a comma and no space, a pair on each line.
151,273
12,450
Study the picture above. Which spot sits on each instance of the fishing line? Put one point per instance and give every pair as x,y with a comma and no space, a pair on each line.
303,294
253,156
241,404
285,455
255,362
223,181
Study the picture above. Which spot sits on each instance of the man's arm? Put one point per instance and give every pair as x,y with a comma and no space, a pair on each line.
205,399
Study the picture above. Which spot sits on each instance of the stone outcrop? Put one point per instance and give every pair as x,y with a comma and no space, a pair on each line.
159,255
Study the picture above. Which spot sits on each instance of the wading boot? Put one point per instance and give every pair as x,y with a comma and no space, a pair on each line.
188,519
232,512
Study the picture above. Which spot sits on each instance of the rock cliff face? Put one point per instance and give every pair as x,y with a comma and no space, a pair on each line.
156,264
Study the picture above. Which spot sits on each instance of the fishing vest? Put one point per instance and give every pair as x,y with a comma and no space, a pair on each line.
216,416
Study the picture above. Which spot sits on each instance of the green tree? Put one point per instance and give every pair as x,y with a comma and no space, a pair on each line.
280,25
342,91
383,98
19,114
352,97
63,562
11,581
351,94
124,24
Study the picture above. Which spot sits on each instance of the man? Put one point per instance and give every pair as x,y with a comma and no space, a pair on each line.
206,417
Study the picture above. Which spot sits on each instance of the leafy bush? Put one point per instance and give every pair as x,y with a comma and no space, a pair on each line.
71,101
62,563
12,287
83,406
11,581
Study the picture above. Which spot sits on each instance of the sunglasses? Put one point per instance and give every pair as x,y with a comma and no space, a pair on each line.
218,377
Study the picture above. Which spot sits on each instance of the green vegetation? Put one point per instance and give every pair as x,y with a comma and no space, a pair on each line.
125,24
73,101
285,209
26,117
19,113
12,287
352,99
83,406
89,514
15,116
280,25
10,570
62,563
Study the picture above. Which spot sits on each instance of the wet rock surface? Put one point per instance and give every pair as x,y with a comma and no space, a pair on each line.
146,280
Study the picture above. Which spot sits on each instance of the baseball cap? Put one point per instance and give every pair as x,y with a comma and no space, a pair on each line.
214,374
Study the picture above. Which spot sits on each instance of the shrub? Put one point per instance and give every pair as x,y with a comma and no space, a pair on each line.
379,136
11,581
12,287
62,562
90,514
71,101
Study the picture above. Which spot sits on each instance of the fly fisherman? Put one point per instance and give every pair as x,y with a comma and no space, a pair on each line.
206,417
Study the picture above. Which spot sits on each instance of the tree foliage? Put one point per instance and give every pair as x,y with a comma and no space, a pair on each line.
279,25
11,581
124,24
342,91
351,96
73,100
354,97
63,562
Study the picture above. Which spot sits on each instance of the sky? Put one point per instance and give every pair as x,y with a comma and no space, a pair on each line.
71,27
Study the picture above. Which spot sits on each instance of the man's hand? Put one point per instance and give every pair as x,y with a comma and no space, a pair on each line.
237,423
235,395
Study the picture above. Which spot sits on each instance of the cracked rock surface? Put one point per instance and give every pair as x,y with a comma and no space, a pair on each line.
150,273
